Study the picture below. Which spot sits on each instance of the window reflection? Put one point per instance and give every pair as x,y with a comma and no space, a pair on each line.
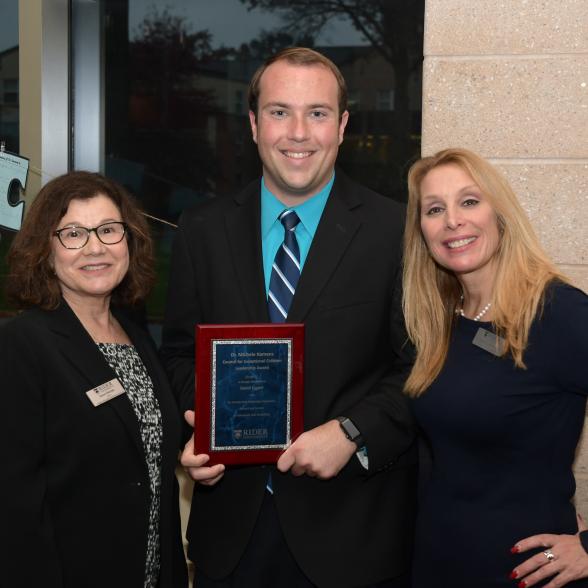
176,113
9,98
9,115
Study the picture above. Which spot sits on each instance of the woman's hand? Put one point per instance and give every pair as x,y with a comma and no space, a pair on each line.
563,557
195,465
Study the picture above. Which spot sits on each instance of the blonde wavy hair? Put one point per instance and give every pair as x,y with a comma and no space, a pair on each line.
431,295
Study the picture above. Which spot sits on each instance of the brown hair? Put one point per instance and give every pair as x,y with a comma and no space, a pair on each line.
431,293
298,56
31,280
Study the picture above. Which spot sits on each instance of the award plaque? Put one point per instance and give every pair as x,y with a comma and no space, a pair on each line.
249,391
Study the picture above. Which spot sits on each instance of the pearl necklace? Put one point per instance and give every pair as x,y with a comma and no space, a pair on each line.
479,315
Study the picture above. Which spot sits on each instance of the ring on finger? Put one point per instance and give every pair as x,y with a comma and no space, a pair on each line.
549,555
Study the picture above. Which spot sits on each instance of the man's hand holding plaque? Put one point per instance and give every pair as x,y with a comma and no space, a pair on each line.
321,452
195,465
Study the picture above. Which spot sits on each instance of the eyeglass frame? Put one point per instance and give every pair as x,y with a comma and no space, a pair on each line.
57,233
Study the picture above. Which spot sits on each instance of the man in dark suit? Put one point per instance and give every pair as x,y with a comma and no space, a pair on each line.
340,508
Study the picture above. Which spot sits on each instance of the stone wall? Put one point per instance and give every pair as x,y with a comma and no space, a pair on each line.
509,80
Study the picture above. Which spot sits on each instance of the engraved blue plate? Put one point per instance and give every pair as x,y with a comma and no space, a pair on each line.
250,394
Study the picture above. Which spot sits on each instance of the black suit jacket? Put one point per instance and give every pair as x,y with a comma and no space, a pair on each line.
74,487
356,528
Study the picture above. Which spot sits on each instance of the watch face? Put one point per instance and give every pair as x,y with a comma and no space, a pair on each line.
350,430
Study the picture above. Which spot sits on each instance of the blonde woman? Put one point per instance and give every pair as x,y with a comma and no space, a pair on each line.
499,383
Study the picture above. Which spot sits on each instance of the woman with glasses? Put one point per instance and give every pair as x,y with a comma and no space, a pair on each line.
89,433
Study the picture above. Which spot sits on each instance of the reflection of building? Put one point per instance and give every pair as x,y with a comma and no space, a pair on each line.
371,79
9,98
228,80
384,104
383,131
188,123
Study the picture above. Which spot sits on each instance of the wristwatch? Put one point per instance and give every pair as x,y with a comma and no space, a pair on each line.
351,431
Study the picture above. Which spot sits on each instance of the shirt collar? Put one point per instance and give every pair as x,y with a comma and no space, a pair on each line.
309,212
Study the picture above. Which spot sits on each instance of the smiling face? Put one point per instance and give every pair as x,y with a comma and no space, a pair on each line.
459,225
297,129
96,269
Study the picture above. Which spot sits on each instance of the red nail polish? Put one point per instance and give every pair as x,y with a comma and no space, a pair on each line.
522,584
513,575
515,549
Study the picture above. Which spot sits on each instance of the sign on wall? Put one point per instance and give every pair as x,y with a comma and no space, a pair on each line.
13,168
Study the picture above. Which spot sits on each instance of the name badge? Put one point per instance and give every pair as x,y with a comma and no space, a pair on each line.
105,392
489,342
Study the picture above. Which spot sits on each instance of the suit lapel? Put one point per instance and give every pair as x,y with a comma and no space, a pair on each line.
243,225
81,352
335,232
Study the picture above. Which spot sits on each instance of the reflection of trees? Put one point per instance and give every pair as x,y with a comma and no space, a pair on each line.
388,25
270,42
394,28
6,237
168,111
164,57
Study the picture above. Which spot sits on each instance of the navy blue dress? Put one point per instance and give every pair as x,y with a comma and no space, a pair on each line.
503,442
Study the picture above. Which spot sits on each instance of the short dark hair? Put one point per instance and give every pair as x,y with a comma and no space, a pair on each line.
31,279
298,56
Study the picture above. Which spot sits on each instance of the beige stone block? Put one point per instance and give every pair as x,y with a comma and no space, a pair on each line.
581,460
581,474
488,27
581,498
578,274
507,107
555,197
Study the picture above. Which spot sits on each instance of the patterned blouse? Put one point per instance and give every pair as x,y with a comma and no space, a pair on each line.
129,368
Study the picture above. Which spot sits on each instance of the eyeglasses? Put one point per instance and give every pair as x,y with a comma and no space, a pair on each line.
77,237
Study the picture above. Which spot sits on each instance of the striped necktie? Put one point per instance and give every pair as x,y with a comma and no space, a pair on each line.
285,270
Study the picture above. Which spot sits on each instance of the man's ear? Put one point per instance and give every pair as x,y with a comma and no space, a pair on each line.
253,122
342,125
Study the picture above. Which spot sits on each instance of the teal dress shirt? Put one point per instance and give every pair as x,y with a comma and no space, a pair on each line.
272,230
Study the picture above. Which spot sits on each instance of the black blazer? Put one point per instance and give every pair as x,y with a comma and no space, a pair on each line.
74,487
356,528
